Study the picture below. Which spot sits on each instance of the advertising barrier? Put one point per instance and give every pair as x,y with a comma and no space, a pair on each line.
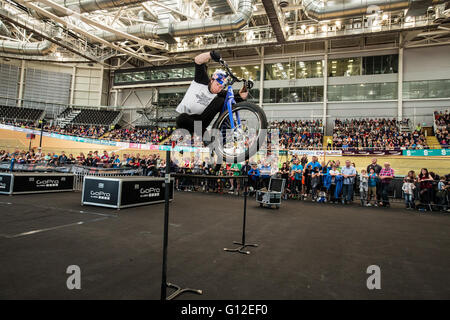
124,192
318,153
35,182
427,153
355,152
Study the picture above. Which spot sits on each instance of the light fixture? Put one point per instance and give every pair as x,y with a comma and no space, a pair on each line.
324,28
286,28
385,16
311,29
338,24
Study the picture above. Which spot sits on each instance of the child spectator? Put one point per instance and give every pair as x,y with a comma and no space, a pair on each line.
363,187
372,187
408,191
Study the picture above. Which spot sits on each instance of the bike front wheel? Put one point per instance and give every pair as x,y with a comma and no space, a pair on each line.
241,141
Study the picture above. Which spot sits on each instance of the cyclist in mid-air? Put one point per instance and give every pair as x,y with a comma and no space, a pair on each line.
205,97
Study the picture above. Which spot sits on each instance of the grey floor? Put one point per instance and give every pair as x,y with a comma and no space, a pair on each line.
306,250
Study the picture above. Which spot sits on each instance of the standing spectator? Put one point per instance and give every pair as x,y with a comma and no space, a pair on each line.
442,194
425,186
62,159
13,161
377,169
408,191
386,176
304,161
315,180
265,174
254,175
372,186
297,171
236,170
333,173
363,187
307,180
349,173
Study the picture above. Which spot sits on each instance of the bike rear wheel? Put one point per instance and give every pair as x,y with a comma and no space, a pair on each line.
239,144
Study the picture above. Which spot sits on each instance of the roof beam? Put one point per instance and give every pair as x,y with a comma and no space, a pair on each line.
99,25
275,20
80,30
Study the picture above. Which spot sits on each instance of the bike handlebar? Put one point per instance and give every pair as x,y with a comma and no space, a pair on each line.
247,83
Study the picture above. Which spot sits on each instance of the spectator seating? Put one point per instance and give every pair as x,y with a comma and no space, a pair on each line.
442,125
22,114
376,134
95,117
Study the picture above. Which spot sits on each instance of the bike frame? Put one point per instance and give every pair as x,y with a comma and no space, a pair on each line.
228,106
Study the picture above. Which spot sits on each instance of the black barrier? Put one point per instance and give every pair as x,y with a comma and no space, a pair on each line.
123,192
35,182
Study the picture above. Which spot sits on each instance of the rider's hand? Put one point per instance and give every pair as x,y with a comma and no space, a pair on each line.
243,93
215,56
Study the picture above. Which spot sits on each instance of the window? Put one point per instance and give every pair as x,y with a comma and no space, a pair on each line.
426,89
159,74
344,67
293,94
380,64
293,70
363,91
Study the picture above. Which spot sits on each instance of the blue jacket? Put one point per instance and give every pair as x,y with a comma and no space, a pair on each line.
339,181
254,174
327,181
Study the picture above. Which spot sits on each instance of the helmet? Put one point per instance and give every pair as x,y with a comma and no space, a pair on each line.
220,76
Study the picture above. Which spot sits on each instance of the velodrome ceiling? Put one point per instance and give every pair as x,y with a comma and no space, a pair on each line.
117,33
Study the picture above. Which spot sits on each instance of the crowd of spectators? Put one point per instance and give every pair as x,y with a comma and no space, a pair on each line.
361,134
299,134
305,179
442,125
133,135
376,134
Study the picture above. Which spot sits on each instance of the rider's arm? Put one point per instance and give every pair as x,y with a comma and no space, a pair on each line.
202,58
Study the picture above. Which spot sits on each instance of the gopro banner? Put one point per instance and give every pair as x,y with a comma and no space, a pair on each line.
35,182
100,191
144,191
123,192
5,183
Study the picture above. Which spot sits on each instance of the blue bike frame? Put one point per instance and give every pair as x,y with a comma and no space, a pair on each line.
228,106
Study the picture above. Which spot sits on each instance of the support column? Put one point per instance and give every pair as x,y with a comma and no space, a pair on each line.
21,84
72,87
261,79
102,70
400,81
325,88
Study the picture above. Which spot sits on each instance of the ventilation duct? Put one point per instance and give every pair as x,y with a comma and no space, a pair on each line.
322,10
85,6
4,30
40,48
226,23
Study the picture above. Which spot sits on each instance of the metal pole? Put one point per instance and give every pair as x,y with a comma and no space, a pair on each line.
166,227
40,139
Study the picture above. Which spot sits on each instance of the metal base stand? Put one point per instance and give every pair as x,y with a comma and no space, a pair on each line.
164,283
242,244
180,291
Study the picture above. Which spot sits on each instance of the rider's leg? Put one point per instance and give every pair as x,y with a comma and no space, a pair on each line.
186,121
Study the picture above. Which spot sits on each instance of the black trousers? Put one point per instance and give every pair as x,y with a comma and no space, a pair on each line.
186,121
